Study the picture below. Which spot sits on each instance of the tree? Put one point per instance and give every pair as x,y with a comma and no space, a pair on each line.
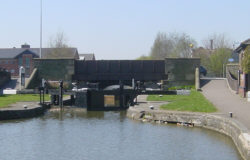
245,63
217,49
218,41
171,45
218,59
203,54
59,47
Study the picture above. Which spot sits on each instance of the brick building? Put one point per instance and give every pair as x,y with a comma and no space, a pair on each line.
11,59
244,78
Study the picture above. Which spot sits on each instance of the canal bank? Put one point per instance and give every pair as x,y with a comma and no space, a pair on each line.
21,110
217,122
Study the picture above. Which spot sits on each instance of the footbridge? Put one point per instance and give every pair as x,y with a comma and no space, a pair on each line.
119,70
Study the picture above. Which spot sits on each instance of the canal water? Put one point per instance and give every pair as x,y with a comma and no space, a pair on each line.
74,135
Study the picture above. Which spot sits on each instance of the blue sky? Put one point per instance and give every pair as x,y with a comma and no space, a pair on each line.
120,29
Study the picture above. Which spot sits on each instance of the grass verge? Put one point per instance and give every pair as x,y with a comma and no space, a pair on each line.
6,100
195,102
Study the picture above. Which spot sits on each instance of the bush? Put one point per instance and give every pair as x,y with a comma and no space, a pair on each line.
218,59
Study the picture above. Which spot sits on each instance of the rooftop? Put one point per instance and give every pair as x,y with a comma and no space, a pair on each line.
46,52
243,45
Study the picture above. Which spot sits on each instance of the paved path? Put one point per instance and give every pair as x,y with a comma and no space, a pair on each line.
217,92
143,103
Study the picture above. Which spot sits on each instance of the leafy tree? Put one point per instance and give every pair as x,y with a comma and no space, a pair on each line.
216,55
218,59
245,63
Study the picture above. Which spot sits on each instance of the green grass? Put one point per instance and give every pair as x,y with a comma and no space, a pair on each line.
195,102
6,100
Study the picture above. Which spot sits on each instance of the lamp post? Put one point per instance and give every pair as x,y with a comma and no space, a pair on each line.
41,26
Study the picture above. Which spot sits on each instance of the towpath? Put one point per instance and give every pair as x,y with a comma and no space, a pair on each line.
217,92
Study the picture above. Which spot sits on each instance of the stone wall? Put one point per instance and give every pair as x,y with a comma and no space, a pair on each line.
181,71
228,126
233,69
232,76
55,69
33,81
9,114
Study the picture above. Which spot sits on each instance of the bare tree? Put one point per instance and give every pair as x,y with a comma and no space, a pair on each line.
58,41
219,47
59,45
171,45
216,41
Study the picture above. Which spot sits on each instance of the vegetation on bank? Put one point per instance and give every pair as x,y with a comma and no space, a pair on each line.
195,102
6,100
246,61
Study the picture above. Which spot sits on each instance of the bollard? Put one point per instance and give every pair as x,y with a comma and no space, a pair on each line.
231,114
197,79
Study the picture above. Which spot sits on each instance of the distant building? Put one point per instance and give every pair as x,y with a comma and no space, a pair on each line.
11,59
87,56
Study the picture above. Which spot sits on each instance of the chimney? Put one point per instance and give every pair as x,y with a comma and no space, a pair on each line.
25,46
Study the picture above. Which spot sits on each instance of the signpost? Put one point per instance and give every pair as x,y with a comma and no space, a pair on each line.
230,60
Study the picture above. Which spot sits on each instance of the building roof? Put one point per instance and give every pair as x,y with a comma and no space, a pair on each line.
46,52
243,45
88,56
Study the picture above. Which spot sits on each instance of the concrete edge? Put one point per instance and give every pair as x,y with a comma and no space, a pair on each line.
228,126
23,113
212,78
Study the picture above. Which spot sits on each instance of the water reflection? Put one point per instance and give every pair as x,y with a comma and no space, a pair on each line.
78,135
